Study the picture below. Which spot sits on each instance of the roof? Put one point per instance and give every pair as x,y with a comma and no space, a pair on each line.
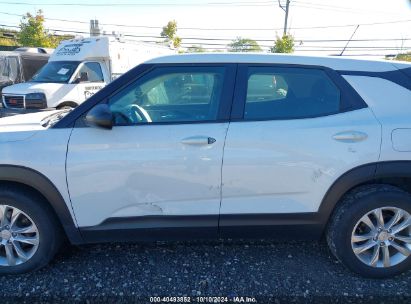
22,54
336,63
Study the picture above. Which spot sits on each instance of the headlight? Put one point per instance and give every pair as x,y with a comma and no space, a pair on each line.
36,101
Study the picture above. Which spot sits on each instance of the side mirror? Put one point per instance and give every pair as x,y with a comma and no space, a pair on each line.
100,116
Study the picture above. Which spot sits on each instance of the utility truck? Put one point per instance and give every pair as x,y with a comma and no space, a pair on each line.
76,70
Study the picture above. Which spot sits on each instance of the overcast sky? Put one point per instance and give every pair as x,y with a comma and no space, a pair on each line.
258,19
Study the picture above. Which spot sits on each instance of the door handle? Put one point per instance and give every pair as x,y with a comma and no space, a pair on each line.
198,140
350,136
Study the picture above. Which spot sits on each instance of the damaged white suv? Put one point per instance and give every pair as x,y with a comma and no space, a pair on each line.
218,145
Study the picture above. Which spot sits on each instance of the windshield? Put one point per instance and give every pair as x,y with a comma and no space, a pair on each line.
56,72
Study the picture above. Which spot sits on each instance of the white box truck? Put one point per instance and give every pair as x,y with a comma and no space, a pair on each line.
77,69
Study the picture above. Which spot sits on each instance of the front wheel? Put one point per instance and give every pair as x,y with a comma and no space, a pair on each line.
29,233
370,231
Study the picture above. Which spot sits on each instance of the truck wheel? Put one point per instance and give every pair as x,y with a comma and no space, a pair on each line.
29,232
370,231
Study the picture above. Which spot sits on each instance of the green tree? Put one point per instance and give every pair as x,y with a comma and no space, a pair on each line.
195,49
7,37
7,42
244,45
403,57
170,33
283,45
32,32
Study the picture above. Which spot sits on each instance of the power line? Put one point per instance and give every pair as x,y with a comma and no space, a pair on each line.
244,3
203,40
222,29
322,6
362,40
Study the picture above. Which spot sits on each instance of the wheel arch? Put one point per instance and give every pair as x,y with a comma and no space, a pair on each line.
396,173
36,181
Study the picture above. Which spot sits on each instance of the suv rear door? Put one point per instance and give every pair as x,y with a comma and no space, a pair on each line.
294,131
160,165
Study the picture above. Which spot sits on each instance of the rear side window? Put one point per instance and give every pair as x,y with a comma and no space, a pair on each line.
288,93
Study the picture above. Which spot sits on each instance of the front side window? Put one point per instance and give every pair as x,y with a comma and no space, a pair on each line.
288,93
56,72
171,94
92,72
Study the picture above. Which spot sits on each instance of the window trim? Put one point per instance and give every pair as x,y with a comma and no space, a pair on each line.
224,109
350,99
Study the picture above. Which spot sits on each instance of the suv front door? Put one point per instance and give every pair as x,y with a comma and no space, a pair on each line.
160,165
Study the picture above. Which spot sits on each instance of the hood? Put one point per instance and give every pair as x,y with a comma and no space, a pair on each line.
33,87
23,126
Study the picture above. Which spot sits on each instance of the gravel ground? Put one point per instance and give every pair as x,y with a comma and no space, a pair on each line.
266,271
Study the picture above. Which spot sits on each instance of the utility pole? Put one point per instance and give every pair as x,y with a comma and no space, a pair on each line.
285,9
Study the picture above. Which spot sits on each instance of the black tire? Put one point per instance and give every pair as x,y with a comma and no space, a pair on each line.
350,210
49,230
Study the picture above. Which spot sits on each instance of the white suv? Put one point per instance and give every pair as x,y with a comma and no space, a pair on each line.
218,145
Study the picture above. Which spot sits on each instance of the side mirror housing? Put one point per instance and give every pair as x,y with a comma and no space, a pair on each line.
100,116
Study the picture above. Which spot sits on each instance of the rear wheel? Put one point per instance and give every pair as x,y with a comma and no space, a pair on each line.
370,231
29,233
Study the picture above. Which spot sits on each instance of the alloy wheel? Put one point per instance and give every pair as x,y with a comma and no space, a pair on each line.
382,237
19,236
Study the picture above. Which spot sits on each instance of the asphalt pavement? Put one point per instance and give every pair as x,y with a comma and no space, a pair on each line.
201,272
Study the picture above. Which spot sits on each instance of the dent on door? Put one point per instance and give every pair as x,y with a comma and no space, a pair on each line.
145,170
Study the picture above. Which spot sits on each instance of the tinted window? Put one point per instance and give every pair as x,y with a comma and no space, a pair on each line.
286,93
171,94
93,70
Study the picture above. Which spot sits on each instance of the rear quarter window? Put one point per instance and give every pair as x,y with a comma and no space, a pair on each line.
286,93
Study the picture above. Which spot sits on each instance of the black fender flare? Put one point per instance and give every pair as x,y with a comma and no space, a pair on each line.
39,182
360,175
